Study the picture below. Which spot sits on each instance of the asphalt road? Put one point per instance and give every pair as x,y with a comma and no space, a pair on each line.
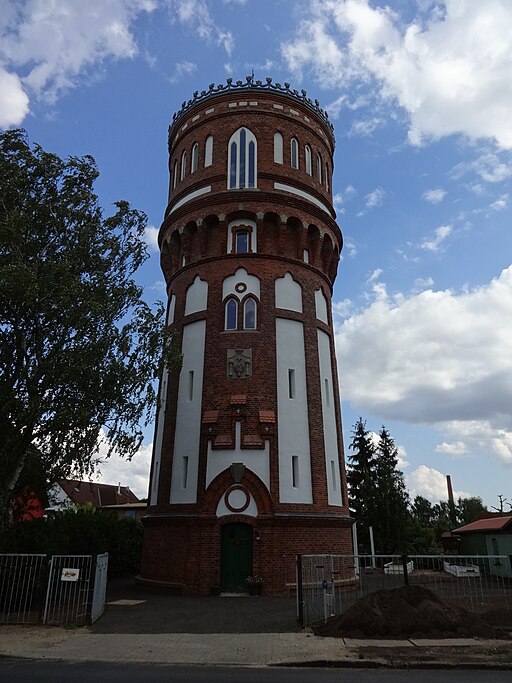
23,670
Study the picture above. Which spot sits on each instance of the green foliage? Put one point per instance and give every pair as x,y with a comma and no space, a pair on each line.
468,508
79,348
361,479
86,531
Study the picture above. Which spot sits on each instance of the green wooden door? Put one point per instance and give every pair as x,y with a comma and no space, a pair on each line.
236,556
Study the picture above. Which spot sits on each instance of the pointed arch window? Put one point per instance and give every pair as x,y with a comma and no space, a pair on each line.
294,153
278,148
307,152
175,174
319,168
194,159
250,314
231,317
183,165
242,163
208,151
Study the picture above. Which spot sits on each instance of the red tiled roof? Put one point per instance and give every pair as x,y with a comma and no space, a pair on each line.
81,492
210,416
253,440
491,524
267,416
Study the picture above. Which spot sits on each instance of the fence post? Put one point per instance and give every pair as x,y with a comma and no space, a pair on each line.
300,594
404,565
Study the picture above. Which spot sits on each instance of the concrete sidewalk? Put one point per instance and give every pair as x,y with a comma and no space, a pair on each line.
254,649
142,626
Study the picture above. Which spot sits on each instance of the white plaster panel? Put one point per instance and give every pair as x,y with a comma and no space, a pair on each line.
321,306
171,309
255,460
254,233
192,195
251,282
197,296
159,434
251,509
301,193
188,414
292,413
329,420
288,294
278,148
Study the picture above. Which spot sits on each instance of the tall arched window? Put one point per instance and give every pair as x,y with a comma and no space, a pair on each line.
208,151
183,165
175,174
278,148
307,152
294,153
194,159
250,314
231,319
242,160
319,168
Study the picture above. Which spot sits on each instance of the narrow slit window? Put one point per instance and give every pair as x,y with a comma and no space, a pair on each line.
184,480
294,153
327,177
242,165
333,475
183,165
190,385
241,180
208,151
295,471
250,314
306,256
232,165
291,383
242,242
319,168
194,161
278,148
231,315
327,395
175,175
307,152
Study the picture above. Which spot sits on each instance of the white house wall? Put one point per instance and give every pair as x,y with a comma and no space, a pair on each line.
197,296
332,464
288,294
293,423
188,415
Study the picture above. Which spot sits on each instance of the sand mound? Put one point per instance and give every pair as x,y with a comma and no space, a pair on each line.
406,612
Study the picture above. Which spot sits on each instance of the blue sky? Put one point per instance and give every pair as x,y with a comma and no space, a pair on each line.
420,95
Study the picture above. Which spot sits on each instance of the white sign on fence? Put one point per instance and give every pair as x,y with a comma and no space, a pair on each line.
69,574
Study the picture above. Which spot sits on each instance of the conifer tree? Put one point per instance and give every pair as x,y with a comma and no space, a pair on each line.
361,480
391,497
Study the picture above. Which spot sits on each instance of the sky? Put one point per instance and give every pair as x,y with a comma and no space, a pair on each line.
420,95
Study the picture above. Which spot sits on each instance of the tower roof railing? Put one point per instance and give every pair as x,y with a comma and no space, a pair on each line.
251,85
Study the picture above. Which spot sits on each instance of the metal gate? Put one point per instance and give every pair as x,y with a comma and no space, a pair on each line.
63,589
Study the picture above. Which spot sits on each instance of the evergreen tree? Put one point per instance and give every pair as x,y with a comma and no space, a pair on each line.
391,497
361,480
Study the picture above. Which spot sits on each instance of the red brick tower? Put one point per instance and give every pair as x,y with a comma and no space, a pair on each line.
248,467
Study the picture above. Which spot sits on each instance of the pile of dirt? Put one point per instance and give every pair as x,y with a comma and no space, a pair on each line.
406,612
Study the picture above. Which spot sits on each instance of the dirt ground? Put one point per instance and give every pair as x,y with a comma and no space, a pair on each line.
414,612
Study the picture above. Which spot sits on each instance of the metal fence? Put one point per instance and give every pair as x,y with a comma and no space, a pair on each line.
61,589
327,585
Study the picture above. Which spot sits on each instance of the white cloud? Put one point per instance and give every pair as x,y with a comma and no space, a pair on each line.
440,234
365,127
453,448
431,484
341,197
341,309
150,237
434,196
375,275
375,198
182,69
440,358
50,44
448,69
133,473
13,100
196,14
489,166
421,283
501,203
